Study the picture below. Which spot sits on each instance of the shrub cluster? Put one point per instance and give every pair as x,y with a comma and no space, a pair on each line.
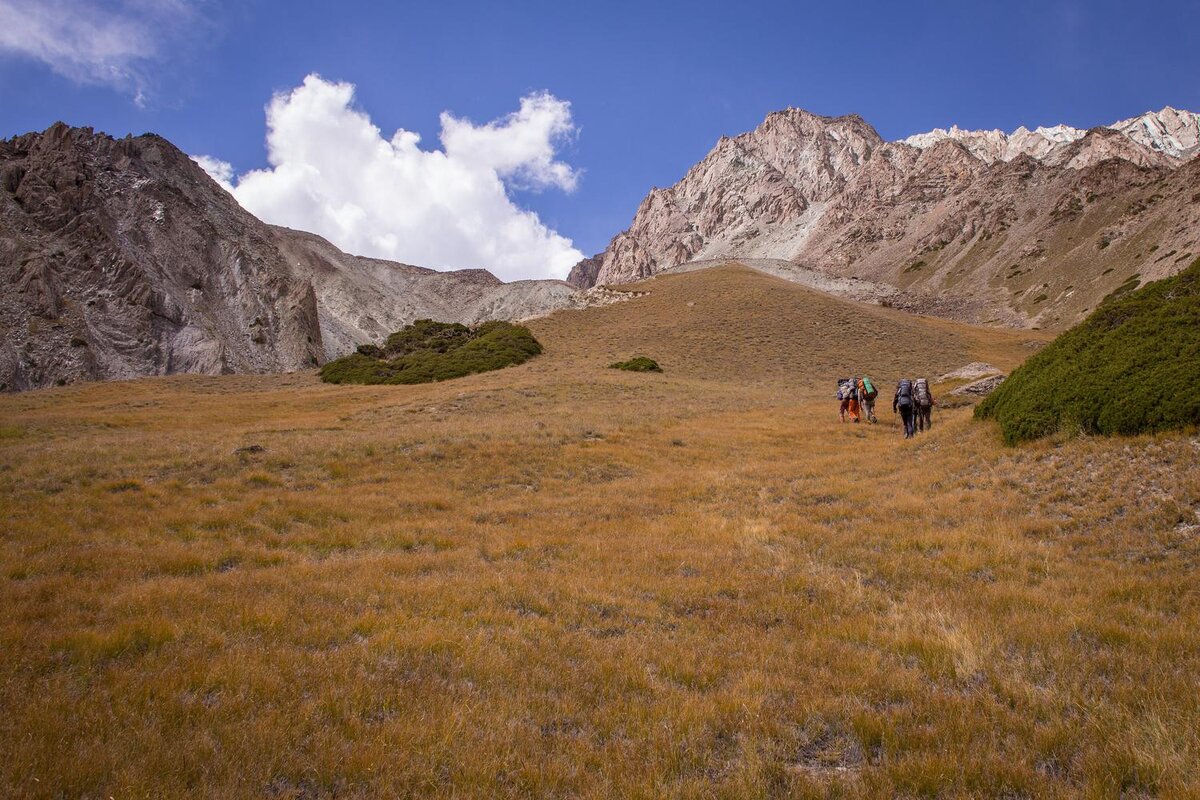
428,351
637,364
1132,366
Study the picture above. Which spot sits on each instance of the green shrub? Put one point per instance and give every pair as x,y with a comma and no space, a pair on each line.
637,364
425,335
428,351
1133,366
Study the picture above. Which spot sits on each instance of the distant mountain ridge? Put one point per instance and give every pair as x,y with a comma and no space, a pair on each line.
1170,131
1027,229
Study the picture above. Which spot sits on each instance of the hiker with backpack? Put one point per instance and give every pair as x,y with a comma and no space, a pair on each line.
848,395
853,405
866,398
923,407
903,402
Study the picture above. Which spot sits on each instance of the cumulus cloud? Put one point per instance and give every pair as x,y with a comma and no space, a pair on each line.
333,173
520,147
220,171
100,42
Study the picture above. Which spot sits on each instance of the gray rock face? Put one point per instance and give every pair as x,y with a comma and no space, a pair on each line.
980,388
971,372
1032,237
583,275
123,258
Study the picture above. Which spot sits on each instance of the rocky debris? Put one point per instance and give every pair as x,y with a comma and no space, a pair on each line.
972,371
980,388
603,296
1030,229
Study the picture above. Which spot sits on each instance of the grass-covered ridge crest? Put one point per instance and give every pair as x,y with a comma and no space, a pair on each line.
428,351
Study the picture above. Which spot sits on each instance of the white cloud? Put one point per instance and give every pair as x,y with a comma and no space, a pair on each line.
220,171
520,147
100,42
334,174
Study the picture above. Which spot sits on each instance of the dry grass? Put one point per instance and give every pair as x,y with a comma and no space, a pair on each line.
565,580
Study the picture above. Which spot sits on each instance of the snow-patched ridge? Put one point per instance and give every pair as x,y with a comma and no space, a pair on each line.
1173,132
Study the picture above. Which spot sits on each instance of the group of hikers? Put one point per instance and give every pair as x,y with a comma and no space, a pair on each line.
913,401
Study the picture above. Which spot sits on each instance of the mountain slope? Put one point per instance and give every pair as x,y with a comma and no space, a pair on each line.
738,326
123,258
365,299
1022,240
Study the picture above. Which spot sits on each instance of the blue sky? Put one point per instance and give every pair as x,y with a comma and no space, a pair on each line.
651,86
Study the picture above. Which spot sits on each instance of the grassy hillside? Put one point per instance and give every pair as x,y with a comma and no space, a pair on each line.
1133,366
733,325
561,579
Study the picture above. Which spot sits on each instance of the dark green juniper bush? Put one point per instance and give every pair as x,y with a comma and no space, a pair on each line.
428,351
1131,367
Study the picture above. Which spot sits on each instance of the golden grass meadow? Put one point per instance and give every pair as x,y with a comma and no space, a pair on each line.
563,580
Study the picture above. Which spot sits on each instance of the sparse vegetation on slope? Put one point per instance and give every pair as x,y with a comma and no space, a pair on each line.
1133,366
428,351
637,364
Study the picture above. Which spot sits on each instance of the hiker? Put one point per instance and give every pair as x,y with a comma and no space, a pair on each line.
843,395
866,398
903,402
924,404
852,406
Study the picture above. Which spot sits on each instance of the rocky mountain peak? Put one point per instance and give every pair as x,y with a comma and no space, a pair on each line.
1169,131
972,223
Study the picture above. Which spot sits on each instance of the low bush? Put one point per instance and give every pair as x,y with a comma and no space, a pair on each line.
428,351
637,364
1132,366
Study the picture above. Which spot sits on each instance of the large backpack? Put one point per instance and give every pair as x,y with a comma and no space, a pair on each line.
924,398
843,389
904,392
868,388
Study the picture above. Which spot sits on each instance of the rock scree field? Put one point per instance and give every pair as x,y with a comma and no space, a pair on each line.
560,579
